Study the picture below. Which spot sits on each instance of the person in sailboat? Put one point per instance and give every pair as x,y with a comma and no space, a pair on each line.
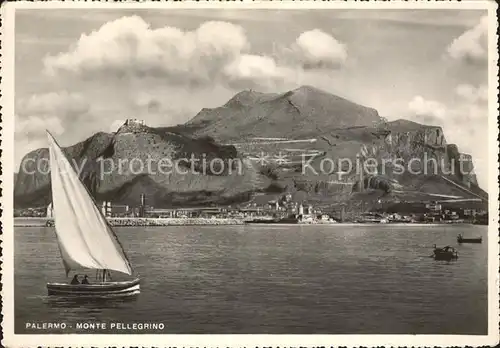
85,280
75,280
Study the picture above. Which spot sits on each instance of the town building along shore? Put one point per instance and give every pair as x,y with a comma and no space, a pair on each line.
137,222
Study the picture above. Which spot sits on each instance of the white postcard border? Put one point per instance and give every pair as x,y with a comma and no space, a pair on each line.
100,340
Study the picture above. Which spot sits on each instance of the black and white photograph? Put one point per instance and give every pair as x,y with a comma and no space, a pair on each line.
308,169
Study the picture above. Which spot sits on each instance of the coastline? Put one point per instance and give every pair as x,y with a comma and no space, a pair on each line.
136,222
348,224
161,222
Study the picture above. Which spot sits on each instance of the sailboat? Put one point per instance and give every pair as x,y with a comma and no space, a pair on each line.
84,237
461,239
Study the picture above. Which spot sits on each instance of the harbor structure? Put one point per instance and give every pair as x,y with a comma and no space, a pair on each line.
142,207
106,208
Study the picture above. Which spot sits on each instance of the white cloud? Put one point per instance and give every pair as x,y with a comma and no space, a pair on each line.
129,69
249,70
55,112
471,106
29,134
115,125
53,103
427,111
49,111
214,53
160,104
471,46
129,47
465,123
317,49
145,102
35,125
472,94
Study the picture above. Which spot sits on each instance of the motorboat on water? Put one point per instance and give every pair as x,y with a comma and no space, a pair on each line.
447,253
371,217
84,237
461,239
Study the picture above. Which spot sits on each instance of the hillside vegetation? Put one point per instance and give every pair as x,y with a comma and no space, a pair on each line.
298,132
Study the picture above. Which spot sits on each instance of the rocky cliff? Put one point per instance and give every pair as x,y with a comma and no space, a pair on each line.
306,132
134,160
402,160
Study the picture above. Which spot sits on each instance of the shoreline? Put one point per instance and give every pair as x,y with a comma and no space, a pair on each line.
162,222
159,222
145,222
349,224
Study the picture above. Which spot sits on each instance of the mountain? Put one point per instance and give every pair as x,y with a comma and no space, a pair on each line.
263,145
303,112
139,159
313,124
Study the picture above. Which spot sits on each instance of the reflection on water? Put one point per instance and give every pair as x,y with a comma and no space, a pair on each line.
289,279
98,303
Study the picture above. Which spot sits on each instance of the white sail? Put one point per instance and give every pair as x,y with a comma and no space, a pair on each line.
83,234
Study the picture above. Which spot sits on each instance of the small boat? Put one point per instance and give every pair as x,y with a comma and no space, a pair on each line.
461,239
262,221
101,289
371,218
84,237
447,253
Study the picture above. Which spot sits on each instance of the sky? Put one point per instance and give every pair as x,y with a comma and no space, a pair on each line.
82,71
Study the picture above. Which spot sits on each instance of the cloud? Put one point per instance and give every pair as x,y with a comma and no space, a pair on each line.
34,126
129,47
130,69
146,102
465,123
255,70
470,106
53,103
115,125
167,105
55,112
29,133
317,49
472,94
427,111
471,46
215,53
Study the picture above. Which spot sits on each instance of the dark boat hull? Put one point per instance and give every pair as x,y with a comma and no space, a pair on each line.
470,240
263,221
445,256
108,289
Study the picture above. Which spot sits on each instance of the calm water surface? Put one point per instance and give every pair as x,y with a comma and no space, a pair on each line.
375,279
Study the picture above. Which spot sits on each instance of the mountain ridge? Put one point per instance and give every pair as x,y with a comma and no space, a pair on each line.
306,119
297,113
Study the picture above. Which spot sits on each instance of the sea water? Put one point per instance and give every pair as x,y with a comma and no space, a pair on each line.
324,279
